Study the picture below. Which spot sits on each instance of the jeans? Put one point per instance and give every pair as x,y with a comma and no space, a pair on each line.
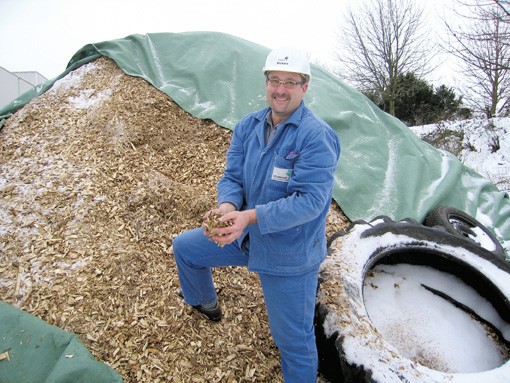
290,300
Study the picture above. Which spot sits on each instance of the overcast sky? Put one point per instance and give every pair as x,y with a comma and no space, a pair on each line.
42,35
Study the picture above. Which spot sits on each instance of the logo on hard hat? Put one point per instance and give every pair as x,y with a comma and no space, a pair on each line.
283,61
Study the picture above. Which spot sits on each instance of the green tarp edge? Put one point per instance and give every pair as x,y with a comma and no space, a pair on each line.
41,353
384,169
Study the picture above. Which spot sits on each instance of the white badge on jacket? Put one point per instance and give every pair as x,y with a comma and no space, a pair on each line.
281,175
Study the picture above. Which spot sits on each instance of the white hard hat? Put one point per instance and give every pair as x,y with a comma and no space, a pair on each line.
287,59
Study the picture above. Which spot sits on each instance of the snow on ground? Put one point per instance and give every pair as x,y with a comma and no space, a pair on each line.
480,144
484,146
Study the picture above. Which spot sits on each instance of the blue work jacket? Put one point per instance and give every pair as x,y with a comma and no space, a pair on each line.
289,182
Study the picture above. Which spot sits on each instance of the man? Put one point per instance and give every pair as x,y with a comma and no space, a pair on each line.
275,192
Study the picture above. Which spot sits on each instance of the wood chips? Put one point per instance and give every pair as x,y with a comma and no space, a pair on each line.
97,176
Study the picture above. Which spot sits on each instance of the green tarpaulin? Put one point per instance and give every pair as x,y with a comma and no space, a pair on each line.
385,169
36,352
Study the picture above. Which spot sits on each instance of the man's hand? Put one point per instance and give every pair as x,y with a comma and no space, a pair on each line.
223,209
240,220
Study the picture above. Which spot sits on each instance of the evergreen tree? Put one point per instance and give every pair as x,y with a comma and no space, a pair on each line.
419,103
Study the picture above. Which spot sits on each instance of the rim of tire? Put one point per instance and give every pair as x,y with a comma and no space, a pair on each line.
459,223
364,355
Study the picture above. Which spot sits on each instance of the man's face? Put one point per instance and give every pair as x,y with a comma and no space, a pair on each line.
282,99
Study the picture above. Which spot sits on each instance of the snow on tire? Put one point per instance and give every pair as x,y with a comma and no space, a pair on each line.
462,224
453,289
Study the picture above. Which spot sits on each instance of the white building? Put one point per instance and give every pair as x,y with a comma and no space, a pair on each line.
14,84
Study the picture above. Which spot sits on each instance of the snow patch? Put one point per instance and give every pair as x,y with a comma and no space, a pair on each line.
485,146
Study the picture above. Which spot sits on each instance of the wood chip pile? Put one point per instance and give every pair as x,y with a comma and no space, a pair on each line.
97,176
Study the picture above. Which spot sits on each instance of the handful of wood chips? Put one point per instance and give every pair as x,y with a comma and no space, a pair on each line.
212,221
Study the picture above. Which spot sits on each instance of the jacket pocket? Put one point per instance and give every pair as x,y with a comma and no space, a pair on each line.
280,173
287,248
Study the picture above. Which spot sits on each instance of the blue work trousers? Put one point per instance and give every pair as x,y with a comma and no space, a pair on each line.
290,300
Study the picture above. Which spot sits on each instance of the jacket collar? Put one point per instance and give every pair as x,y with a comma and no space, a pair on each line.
294,118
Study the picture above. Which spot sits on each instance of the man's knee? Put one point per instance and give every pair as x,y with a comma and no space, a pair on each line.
183,241
178,243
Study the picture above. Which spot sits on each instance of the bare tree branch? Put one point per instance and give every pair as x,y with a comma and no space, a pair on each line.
382,42
482,45
504,5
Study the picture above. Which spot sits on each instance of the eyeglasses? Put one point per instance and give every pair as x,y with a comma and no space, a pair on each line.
289,84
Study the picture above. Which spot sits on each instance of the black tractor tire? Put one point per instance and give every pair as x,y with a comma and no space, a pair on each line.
456,222
351,349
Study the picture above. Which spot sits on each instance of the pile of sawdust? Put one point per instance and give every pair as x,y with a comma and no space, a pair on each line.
97,176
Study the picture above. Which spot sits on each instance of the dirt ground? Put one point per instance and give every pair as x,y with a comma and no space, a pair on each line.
97,176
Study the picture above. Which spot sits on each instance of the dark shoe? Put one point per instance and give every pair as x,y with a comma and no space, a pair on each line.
213,314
